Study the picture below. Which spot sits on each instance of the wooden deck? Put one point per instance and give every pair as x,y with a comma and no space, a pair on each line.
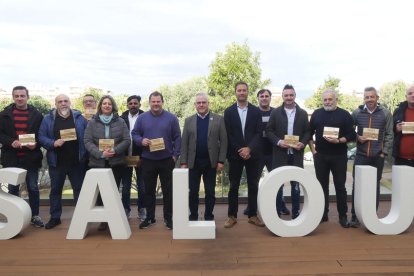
242,250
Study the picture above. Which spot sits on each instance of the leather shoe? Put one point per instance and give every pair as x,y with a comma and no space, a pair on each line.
324,218
103,226
344,222
230,222
52,223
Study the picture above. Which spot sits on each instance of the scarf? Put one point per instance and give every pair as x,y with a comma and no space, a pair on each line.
106,120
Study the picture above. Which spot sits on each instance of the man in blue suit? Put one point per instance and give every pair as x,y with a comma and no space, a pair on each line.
243,126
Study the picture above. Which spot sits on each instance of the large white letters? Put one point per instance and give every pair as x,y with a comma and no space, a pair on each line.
313,205
15,209
182,227
402,203
103,181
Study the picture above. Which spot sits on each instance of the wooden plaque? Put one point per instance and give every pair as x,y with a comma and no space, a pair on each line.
157,144
408,128
331,132
132,161
68,134
291,140
106,144
27,139
370,133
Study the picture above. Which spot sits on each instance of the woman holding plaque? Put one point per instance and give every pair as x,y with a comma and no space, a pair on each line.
107,139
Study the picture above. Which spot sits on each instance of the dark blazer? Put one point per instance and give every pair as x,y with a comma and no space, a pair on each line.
216,140
277,129
252,131
135,149
32,158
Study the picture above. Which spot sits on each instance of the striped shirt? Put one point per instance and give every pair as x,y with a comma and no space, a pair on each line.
20,118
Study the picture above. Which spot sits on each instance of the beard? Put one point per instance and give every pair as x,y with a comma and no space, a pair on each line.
329,108
64,112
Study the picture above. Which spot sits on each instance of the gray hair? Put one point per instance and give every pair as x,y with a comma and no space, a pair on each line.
201,94
330,91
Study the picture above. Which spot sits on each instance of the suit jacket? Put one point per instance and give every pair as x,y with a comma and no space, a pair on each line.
252,131
276,130
136,150
216,140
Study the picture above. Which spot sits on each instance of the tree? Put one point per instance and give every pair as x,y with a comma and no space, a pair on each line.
96,92
41,104
237,63
392,93
4,103
349,102
315,101
121,102
179,98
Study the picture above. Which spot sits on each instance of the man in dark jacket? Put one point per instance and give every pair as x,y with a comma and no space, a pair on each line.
243,126
286,121
61,134
403,150
17,120
130,116
374,138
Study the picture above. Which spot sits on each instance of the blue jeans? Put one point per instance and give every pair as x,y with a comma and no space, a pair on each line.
58,175
294,193
32,189
126,188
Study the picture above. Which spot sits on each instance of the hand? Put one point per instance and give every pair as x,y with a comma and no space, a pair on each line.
146,142
108,153
361,139
220,167
283,144
244,153
332,140
174,158
299,146
398,126
16,144
58,143
31,146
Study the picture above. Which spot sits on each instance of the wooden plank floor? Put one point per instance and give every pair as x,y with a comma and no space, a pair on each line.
242,250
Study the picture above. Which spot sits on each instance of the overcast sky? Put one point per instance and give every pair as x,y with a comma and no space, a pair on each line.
135,46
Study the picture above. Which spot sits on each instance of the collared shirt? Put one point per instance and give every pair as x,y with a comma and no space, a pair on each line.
203,117
369,111
132,119
291,119
242,115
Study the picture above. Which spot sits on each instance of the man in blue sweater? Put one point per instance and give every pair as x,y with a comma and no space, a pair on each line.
158,133
333,128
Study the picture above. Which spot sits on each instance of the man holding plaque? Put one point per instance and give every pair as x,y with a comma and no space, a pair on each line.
158,133
333,128
204,148
19,125
134,152
244,133
374,138
288,131
61,134
403,150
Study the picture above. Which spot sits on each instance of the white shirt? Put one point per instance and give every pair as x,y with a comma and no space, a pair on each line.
132,119
242,115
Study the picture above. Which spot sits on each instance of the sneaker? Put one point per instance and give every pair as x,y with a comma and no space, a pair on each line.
52,223
142,214
147,223
128,213
103,226
230,222
256,221
354,222
343,222
285,211
36,221
324,218
168,223
295,215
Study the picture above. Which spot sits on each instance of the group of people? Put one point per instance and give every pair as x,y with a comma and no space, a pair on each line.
250,137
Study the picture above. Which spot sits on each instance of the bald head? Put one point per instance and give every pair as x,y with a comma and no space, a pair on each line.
62,103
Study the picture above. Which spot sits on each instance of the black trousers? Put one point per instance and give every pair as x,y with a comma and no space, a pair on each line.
337,164
253,173
151,170
377,162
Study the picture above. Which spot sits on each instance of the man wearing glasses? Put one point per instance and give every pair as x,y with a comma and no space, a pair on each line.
89,106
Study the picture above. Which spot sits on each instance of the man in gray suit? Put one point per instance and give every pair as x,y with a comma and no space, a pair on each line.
203,151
